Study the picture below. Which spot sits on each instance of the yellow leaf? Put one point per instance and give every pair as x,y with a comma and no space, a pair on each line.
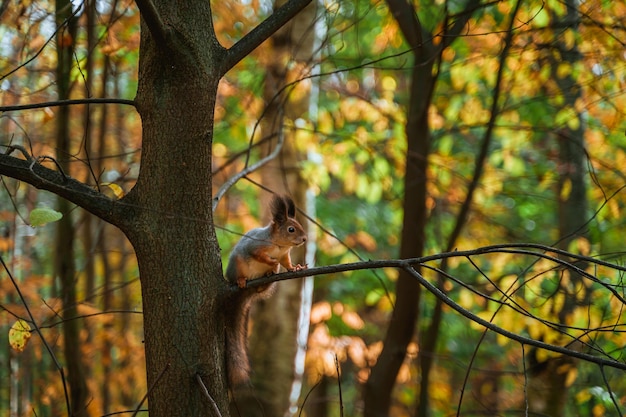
117,190
352,320
569,38
566,189
573,123
19,335
563,70
572,374
580,245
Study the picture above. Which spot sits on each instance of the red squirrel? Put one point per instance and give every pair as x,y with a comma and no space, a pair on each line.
259,253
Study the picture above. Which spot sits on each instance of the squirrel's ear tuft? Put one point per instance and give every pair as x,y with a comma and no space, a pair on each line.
278,206
291,207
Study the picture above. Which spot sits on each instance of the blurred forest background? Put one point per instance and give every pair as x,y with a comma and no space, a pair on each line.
403,129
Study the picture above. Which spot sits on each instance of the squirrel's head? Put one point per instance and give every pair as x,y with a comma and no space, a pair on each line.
286,229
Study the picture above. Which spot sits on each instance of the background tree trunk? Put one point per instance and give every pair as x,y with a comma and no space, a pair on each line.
377,394
405,315
548,379
65,268
272,345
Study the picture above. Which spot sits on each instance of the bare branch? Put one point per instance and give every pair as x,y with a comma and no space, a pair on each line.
58,103
29,170
205,390
339,385
232,180
510,335
608,387
261,33
150,389
526,249
518,249
38,331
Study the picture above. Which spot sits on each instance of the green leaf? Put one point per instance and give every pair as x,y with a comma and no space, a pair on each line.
43,216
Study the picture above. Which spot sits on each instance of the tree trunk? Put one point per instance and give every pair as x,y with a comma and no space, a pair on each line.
65,269
171,222
378,388
401,329
89,147
548,387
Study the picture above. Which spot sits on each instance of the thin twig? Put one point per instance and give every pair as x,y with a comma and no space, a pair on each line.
43,340
232,180
235,156
46,157
45,44
339,386
24,152
145,397
510,335
206,393
608,387
306,397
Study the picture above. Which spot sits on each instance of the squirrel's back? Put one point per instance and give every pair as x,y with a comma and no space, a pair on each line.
241,256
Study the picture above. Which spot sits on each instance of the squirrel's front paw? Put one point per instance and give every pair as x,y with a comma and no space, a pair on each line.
300,267
241,282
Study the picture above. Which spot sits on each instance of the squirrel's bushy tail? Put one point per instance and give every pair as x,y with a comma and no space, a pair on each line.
237,363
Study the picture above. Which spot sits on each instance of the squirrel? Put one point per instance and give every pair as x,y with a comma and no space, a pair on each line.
259,253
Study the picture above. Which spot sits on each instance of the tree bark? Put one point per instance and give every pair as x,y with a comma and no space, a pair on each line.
171,222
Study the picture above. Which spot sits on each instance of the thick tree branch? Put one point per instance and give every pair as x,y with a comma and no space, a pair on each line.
153,21
408,21
526,249
261,33
58,103
30,171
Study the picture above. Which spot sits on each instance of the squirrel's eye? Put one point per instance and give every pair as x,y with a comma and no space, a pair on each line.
291,229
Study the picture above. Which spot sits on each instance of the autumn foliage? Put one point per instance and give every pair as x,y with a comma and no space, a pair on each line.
558,78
